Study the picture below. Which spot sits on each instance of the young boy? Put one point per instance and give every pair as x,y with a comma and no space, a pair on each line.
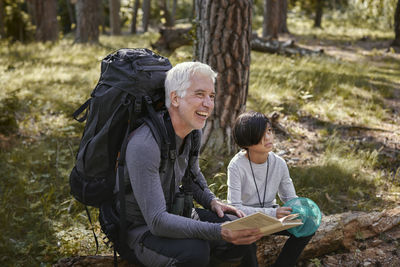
256,175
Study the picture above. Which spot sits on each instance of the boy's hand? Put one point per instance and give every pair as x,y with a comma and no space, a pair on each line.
241,237
221,208
283,211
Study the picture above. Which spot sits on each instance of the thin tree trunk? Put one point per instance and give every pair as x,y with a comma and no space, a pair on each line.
396,41
70,11
134,16
318,13
87,16
271,19
146,14
115,22
283,17
223,42
167,15
2,16
46,20
173,13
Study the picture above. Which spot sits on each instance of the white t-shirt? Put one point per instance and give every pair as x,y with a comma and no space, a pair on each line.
242,192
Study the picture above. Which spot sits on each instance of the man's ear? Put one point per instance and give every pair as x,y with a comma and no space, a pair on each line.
174,99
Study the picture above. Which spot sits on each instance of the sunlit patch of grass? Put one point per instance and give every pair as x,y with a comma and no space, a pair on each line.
333,89
335,26
343,178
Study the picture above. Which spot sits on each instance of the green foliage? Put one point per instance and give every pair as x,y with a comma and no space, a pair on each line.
17,22
42,84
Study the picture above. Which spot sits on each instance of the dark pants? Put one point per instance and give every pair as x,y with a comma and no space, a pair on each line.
291,250
197,252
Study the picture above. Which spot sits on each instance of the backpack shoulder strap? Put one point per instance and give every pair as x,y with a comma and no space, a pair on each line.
189,176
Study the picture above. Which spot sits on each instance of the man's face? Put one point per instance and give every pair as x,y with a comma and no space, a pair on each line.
198,103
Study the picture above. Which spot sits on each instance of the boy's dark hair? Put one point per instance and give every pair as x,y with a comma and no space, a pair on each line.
249,128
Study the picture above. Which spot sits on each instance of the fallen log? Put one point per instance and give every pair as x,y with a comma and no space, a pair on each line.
339,232
354,236
288,48
172,38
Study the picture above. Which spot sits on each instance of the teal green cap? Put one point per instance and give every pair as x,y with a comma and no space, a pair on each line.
308,212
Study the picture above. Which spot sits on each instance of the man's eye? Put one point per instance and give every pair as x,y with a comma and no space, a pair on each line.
212,96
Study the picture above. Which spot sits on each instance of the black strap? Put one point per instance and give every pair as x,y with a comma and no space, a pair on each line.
94,234
172,155
121,182
115,257
255,183
80,110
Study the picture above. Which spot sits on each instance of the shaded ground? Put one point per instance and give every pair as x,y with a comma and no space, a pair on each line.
385,249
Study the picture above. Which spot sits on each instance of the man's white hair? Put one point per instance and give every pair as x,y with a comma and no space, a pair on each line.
178,78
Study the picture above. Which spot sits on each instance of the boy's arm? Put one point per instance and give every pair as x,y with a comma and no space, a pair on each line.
286,190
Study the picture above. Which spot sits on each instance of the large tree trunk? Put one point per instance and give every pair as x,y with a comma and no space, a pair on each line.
271,19
134,16
115,22
146,14
46,20
2,16
318,13
223,42
88,19
396,41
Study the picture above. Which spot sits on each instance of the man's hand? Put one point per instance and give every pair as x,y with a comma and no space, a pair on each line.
241,237
220,208
283,211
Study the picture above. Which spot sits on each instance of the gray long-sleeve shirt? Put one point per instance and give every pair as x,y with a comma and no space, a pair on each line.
147,206
242,192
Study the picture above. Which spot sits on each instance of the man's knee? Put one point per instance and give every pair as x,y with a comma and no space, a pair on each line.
196,253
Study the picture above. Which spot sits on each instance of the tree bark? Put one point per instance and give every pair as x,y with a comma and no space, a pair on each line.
134,16
2,16
146,14
223,42
283,17
115,22
318,13
88,19
46,20
396,41
271,19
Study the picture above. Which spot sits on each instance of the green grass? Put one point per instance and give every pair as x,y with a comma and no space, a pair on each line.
42,84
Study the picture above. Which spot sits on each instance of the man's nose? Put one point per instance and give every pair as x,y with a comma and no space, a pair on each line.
208,102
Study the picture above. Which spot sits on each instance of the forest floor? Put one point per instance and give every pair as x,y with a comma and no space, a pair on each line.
383,250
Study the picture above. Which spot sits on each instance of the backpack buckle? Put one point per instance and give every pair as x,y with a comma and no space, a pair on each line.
138,106
172,154
148,99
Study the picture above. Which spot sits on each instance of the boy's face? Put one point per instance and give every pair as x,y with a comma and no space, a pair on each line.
267,142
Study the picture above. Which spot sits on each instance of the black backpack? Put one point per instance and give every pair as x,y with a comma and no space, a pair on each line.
129,93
